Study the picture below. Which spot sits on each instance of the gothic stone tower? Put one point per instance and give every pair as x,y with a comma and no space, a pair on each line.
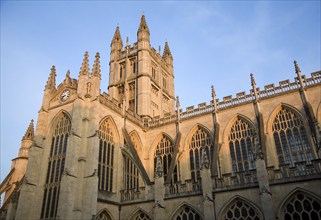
140,77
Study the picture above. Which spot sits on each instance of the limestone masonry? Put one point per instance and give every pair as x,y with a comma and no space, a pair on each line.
132,153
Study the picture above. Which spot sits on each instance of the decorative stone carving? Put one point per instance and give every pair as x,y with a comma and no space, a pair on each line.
159,166
205,160
258,153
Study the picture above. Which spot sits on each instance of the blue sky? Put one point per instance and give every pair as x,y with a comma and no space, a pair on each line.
213,42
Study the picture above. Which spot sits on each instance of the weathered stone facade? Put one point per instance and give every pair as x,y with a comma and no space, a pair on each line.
131,154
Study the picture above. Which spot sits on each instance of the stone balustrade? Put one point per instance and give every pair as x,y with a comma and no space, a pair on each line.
130,195
189,187
238,180
286,173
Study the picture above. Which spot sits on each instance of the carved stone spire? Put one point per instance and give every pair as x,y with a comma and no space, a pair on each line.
96,67
254,88
298,72
214,100
51,82
117,37
30,132
143,25
167,51
67,80
84,70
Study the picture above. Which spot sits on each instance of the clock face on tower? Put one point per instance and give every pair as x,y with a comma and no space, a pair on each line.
64,95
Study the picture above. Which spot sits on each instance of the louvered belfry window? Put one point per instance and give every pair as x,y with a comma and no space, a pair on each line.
290,138
106,157
241,146
56,166
200,140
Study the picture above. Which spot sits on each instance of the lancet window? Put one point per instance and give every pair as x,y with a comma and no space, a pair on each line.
290,138
301,207
201,140
241,146
131,175
165,149
56,166
106,157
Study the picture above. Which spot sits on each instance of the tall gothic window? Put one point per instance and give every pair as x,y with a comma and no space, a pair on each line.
241,146
131,175
106,157
187,213
56,166
290,138
301,207
200,140
241,210
140,215
165,149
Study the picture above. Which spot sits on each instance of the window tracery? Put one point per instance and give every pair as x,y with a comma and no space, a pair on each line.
241,210
131,175
241,146
106,157
103,216
200,140
188,213
165,149
290,138
301,207
55,167
140,215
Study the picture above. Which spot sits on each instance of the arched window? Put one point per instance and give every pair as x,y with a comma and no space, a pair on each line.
56,166
301,207
106,157
131,175
165,149
103,216
241,146
200,140
290,138
187,213
239,210
140,215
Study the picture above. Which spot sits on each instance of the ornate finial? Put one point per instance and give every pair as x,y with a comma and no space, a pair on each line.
127,41
167,51
30,132
51,82
143,24
252,80
68,74
84,70
117,37
213,92
96,67
205,160
159,49
177,102
67,80
297,68
159,166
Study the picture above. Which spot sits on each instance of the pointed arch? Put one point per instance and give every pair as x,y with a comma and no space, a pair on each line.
318,115
164,146
239,208
103,214
290,135
59,133
186,211
108,137
55,119
300,204
140,214
198,139
135,138
239,141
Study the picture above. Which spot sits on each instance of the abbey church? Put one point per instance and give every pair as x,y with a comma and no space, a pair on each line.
134,154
